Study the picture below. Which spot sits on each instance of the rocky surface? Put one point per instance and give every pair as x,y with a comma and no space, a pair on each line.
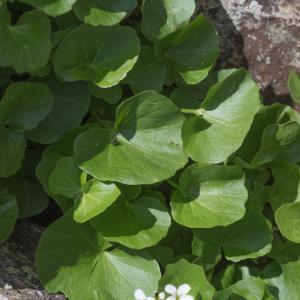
263,35
18,280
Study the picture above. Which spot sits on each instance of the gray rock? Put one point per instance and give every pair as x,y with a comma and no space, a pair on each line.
18,280
263,35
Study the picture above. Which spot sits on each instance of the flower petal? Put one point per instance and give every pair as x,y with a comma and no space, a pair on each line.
171,289
161,296
150,298
171,298
139,295
184,289
186,297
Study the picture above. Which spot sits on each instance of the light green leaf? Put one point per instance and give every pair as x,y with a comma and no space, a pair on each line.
287,218
52,8
250,288
275,139
103,12
26,45
248,238
286,183
146,138
93,55
137,224
294,86
183,272
110,95
22,107
222,122
73,98
162,17
191,51
8,212
148,73
85,268
95,198
210,196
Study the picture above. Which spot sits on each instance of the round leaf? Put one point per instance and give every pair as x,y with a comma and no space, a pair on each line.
288,220
110,95
224,119
72,258
147,135
26,45
90,53
137,224
210,196
103,12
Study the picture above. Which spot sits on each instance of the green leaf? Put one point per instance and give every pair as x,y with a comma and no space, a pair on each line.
85,267
248,238
275,139
52,8
95,198
22,107
148,73
71,97
102,12
8,212
162,17
286,183
210,196
26,45
222,122
145,146
94,56
191,51
287,218
136,224
183,100
183,272
250,288
286,285
294,86
110,95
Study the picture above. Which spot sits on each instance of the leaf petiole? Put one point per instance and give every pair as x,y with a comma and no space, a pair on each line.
197,112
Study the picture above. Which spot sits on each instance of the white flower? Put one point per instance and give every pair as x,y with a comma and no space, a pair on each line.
161,296
178,294
140,295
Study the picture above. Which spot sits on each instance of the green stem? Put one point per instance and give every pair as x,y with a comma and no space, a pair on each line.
83,178
197,112
174,185
96,117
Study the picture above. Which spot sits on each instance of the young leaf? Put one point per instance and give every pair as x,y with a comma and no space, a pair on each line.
287,218
22,107
222,122
136,224
162,17
8,212
210,196
94,56
73,98
85,267
148,73
191,51
294,86
188,273
147,135
103,12
52,8
26,45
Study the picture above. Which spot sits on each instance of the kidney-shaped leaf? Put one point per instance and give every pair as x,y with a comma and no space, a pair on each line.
210,196
287,218
72,258
223,119
101,54
191,51
103,12
26,45
22,107
294,86
136,224
145,146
